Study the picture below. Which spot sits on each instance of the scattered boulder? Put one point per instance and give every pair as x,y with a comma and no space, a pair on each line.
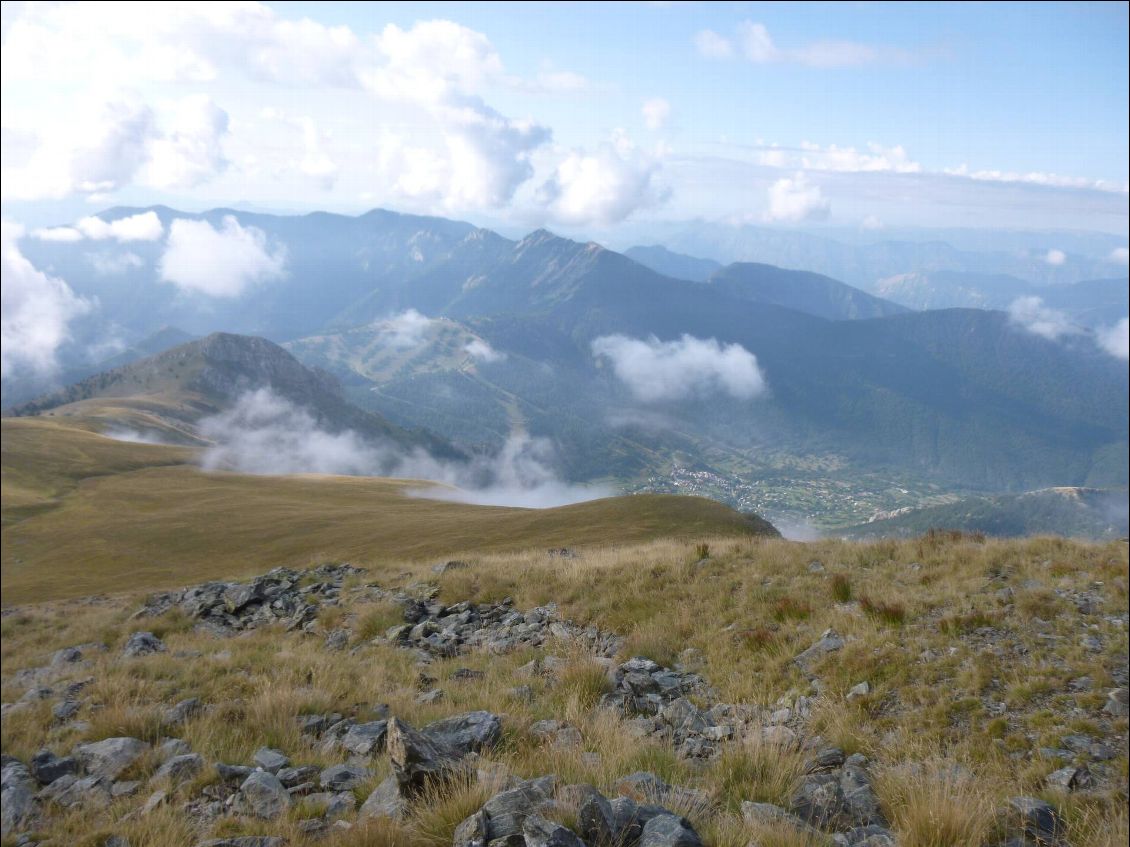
343,777
182,711
418,759
829,642
46,767
270,759
669,830
386,800
471,732
365,739
143,644
263,795
539,832
180,768
108,758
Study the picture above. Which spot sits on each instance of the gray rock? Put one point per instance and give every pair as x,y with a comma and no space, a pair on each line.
143,644
643,787
93,791
172,747
365,739
767,813
819,801
17,799
830,641
263,795
270,759
669,831
245,841
180,768
385,801
471,732
595,819
156,799
233,773
472,832
126,788
539,832
507,811
418,759
427,698
293,777
1117,703
340,806
557,733
1038,820
46,767
64,710
343,777
182,711
108,758
1070,779
865,836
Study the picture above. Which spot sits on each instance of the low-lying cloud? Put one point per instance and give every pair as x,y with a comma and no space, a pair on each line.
1030,314
263,433
792,200
222,262
1116,339
656,371
145,226
481,351
36,311
405,330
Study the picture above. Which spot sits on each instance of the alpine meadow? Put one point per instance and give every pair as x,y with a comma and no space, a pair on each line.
565,424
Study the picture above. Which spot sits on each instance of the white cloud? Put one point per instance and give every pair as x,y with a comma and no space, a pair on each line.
712,45
1033,316
871,222
111,264
655,112
481,351
264,433
876,158
794,200
437,66
145,226
35,310
656,371
1039,178
604,186
107,146
1120,256
404,330
753,41
189,150
1116,339
314,162
1055,258
222,262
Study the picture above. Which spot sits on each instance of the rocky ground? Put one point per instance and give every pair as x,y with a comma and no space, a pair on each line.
983,705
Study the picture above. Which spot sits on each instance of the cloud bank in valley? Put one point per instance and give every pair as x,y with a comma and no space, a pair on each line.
36,312
1116,339
264,433
657,371
224,262
1031,315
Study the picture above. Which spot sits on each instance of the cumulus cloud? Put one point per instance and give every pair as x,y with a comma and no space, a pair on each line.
656,371
189,149
795,199
222,262
1116,339
481,351
404,330
1033,316
754,43
712,45
439,66
36,312
604,186
655,112
1055,258
263,433
1120,256
109,145
145,226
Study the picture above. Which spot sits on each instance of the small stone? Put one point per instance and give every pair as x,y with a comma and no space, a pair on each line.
180,768
263,795
385,801
539,832
143,644
182,711
860,690
669,831
343,777
270,759
1117,703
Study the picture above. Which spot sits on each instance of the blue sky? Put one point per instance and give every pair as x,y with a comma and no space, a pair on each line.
585,118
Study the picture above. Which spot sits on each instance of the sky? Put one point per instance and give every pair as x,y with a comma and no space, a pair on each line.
584,118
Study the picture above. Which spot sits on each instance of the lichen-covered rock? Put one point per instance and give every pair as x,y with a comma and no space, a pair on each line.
263,795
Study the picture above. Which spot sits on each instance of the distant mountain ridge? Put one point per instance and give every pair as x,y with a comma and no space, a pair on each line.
193,380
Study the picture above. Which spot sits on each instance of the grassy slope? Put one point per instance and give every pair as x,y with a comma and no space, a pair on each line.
85,514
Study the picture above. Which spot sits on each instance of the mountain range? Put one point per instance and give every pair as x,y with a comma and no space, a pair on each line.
437,325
